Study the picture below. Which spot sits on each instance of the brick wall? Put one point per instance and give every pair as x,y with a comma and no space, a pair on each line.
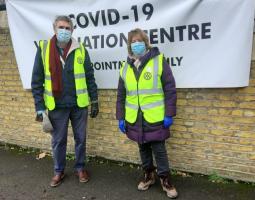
213,131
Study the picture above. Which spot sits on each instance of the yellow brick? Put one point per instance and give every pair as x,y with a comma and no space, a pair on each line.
187,123
212,112
177,141
181,102
227,104
220,132
189,110
237,112
243,148
106,110
198,130
179,128
201,110
249,113
220,119
246,141
199,103
248,105
252,82
231,140
247,98
224,111
219,145
247,90
246,135
245,120
226,97
252,157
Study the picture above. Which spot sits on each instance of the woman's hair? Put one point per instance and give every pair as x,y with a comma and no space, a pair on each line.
143,35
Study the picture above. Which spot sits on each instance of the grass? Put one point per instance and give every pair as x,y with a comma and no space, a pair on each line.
215,178
70,156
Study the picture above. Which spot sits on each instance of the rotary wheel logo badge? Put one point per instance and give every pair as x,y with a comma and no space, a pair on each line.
80,60
147,75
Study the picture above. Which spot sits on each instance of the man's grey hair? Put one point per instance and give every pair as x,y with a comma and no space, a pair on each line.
63,18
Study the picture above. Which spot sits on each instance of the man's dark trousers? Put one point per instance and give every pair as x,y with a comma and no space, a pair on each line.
60,119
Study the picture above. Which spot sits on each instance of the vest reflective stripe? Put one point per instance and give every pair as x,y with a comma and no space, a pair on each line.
48,96
132,106
125,72
79,75
156,69
152,105
44,47
80,78
48,93
82,91
47,77
147,93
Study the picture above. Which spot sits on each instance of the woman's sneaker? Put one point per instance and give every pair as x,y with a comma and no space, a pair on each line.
148,180
168,188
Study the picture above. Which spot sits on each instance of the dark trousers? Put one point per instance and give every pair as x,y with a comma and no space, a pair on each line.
60,120
160,154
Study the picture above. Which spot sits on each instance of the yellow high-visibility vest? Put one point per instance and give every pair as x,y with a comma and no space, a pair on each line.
146,93
79,76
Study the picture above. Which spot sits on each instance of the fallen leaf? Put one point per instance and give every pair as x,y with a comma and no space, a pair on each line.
41,155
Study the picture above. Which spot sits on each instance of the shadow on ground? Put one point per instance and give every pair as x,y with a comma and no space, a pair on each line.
24,178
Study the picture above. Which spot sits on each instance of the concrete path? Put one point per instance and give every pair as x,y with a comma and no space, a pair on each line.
22,177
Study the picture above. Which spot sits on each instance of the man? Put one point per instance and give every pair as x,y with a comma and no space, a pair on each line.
63,82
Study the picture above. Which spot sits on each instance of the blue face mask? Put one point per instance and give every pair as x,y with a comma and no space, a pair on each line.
138,48
63,35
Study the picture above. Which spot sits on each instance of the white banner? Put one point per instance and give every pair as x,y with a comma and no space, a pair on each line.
207,43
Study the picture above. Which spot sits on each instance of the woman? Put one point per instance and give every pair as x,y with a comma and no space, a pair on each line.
146,103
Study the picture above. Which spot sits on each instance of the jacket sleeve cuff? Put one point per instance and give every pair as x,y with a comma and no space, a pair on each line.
171,112
40,107
94,101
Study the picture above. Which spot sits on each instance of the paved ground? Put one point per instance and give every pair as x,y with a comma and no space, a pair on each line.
22,177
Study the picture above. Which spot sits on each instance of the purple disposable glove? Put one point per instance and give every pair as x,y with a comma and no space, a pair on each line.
122,126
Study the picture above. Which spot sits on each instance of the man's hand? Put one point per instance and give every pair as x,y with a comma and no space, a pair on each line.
94,110
39,115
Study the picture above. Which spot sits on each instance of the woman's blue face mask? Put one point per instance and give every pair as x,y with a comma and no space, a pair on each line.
138,48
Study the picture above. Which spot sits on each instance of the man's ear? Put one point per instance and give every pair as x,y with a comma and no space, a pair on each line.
55,31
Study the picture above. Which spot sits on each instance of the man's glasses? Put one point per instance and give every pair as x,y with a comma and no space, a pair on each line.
65,27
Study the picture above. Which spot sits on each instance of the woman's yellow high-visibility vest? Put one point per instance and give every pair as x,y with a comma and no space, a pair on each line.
79,76
146,93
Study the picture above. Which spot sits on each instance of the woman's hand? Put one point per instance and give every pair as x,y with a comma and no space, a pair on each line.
122,126
168,121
